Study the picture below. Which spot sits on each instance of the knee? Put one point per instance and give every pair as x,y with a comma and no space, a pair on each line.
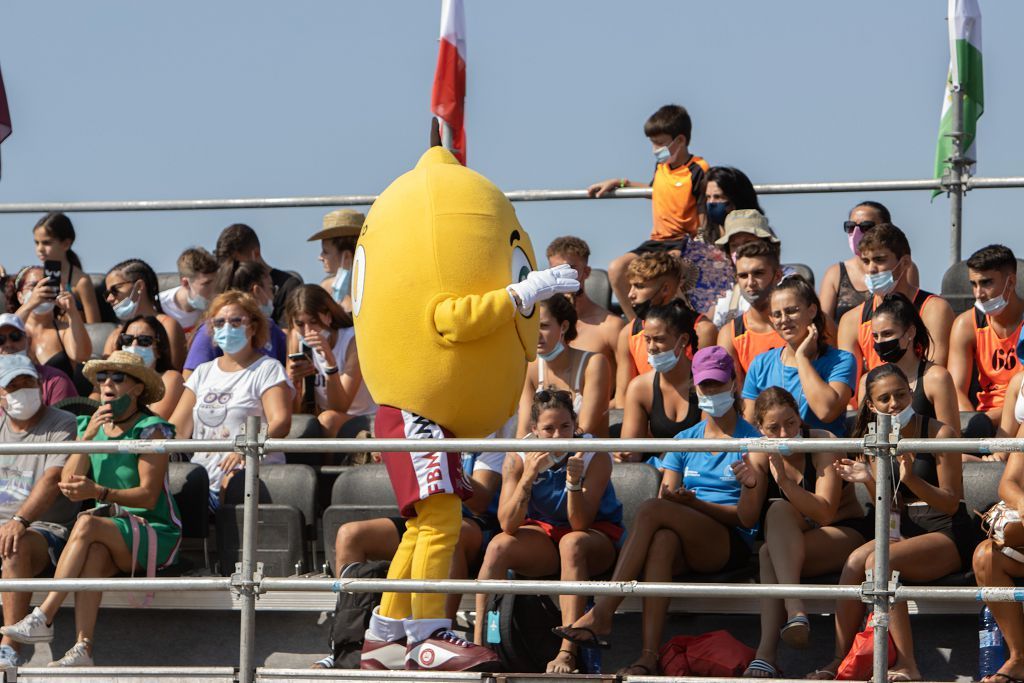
985,556
764,554
86,527
350,536
647,513
663,548
781,512
497,550
572,549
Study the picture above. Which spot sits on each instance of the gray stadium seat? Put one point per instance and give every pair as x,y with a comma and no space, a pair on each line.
168,280
956,289
190,487
305,426
634,483
286,515
361,492
98,333
599,288
802,270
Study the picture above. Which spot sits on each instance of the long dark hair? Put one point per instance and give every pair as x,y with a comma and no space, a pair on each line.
899,308
678,315
805,292
774,397
59,227
163,342
239,275
864,414
314,300
547,399
562,310
134,270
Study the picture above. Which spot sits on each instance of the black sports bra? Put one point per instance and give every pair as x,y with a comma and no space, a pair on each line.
661,426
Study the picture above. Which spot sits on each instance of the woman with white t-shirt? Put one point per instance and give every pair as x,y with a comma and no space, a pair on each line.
322,351
221,393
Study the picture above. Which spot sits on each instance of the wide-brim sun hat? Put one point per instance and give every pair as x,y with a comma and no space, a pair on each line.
131,365
340,223
750,221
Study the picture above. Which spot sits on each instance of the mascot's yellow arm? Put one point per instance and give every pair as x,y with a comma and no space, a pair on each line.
472,317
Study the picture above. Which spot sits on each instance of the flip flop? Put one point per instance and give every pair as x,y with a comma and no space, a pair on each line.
762,666
821,675
797,632
1004,678
628,670
899,677
594,642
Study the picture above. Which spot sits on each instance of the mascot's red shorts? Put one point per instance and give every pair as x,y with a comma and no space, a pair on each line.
418,475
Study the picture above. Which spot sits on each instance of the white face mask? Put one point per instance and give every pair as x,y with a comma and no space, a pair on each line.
904,416
993,305
716,405
24,403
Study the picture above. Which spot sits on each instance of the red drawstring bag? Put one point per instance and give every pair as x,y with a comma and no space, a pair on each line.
715,654
858,663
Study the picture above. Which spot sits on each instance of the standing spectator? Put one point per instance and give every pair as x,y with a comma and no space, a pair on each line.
101,545
59,337
186,303
727,189
37,521
132,290
841,289
14,341
584,374
145,337
984,339
597,328
337,245
751,333
330,362
54,234
819,376
239,242
223,392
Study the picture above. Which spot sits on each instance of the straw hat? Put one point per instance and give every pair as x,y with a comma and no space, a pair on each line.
132,365
340,223
749,221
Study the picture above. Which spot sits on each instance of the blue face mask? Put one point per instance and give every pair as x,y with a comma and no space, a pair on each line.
664,361
553,353
267,309
716,405
125,308
196,301
143,352
879,284
342,285
662,154
717,211
231,339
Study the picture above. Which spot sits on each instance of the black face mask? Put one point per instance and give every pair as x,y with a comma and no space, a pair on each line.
642,308
889,350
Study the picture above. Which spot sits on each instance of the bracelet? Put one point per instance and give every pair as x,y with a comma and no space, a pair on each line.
573,487
103,495
623,182
331,371
24,522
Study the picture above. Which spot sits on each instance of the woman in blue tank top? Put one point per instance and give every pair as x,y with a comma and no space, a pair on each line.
558,514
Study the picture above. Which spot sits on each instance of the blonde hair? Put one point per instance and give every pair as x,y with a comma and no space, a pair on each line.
260,325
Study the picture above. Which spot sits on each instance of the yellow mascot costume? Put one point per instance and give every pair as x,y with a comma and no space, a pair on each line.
443,293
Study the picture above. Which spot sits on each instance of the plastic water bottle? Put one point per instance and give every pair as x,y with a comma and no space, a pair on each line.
991,646
589,659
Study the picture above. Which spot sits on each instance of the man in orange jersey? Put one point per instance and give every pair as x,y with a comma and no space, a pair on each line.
983,343
885,253
757,273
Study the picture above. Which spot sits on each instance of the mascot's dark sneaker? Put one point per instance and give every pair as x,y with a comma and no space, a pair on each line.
382,655
445,650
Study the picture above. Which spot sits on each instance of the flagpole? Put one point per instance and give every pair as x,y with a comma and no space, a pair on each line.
957,163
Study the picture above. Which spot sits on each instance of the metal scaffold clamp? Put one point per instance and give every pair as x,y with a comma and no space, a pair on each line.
869,592
240,585
242,440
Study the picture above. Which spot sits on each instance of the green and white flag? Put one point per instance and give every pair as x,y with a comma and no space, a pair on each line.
965,75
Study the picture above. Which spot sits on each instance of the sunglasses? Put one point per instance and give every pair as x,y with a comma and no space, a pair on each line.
140,339
13,335
117,377
850,226
545,395
236,321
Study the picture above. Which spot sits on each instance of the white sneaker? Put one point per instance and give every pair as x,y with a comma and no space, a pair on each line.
31,629
78,655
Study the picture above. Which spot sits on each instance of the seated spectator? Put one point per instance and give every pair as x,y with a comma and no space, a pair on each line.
996,567
584,374
813,523
742,227
14,341
727,189
101,544
223,392
37,521
751,332
654,280
885,255
702,521
1012,412
899,336
841,288
984,339
935,536
558,515
132,291
59,337
253,279
597,328
146,338
239,242
662,402
819,376
337,245
54,234
378,539
323,359
186,303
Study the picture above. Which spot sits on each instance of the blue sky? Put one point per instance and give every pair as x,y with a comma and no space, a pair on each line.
128,100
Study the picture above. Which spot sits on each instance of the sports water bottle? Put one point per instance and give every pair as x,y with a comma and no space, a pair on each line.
589,659
991,646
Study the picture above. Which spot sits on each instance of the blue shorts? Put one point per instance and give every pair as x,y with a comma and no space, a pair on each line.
55,542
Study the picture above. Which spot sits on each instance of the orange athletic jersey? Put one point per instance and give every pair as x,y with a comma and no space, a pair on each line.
749,343
865,341
995,361
638,347
674,199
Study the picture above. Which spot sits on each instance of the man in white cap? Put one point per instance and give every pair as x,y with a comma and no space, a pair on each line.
741,226
337,245
14,341
33,518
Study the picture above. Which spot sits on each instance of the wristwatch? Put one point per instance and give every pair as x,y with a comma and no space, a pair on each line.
24,522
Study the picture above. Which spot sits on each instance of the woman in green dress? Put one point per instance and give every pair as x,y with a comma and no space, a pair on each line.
132,495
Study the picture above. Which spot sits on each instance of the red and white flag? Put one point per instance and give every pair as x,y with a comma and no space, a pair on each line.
5,113
447,100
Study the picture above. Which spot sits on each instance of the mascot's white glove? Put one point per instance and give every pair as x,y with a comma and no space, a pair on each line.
543,284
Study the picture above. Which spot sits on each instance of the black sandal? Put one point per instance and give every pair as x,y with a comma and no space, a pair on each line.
594,642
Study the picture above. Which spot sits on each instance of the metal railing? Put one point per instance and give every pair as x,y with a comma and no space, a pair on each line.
882,444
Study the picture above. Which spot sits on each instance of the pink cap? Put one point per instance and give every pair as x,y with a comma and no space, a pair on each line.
713,363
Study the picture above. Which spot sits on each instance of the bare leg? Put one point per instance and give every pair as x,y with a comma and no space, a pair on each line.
664,559
784,534
773,612
98,564
29,560
371,539
849,613
992,568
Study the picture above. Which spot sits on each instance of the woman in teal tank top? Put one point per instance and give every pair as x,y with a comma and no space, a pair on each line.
123,484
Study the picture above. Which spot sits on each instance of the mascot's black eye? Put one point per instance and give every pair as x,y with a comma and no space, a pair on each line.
521,266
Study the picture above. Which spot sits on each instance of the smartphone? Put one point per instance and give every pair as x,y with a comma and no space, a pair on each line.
51,270
296,356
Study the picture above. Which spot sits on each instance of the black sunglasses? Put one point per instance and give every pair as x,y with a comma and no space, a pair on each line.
13,335
142,339
545,395
102,376
850,226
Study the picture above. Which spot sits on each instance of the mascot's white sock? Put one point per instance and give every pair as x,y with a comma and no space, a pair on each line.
418,630
383,628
